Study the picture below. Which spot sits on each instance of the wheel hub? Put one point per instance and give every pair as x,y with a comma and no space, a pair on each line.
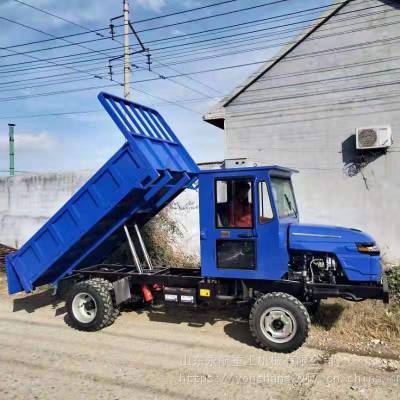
278,325
84,308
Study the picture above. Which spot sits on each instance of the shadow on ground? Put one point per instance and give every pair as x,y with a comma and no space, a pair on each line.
31,303
327,315
235,319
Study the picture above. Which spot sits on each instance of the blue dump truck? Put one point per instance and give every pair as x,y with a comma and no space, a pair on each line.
254,251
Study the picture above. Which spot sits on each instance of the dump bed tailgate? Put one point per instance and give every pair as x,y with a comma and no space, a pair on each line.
144,175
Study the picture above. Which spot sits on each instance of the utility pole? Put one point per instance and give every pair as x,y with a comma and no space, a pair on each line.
128,29
11,148
127,67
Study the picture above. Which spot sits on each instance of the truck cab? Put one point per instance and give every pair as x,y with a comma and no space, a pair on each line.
244,218
249,229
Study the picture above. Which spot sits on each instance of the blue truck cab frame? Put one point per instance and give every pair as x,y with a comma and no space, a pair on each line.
270,241
254,250
265,242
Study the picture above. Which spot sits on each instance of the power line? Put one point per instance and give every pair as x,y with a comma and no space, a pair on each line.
150,29
355,46
62,65
322,92
344,102
168,47
52,76
315,118
348,102
331,68
186,11
70,43
172,77
51,14
241,40
53,83
2,100
342,110
255,22
96,40
46,60
188,76
167,65
108,49
334,79
294,29
97,51
85,28
360,45
96,31
260,62
269,99
56,114
139,21
99,87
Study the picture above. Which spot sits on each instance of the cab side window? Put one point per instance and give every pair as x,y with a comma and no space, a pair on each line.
265,213
234,203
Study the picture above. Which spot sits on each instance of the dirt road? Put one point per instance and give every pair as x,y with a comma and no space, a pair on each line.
175,355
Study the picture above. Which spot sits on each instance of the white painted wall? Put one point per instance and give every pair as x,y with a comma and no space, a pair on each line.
289,117
27,202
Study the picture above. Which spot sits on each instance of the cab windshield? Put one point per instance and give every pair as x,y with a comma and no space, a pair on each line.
284,197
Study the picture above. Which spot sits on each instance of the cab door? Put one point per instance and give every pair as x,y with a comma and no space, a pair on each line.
233,233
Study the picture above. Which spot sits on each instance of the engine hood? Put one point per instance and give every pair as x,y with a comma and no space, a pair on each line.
341,242
307,233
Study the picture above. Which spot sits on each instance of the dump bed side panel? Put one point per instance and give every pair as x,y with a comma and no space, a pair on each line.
142,177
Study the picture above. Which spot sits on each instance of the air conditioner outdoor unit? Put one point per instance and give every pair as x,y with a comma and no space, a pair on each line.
373,137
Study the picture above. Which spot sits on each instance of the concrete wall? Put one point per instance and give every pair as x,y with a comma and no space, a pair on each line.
300,116
27,202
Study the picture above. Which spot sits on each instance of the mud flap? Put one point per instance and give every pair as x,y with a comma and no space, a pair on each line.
122,290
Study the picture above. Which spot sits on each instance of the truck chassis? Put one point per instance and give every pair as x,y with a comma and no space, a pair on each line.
291,302
191,278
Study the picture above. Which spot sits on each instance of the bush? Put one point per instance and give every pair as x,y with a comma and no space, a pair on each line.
160,235
393,275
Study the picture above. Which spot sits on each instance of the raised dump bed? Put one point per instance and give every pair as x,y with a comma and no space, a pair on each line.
144,175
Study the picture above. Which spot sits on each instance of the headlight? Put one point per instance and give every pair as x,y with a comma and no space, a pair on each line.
368,248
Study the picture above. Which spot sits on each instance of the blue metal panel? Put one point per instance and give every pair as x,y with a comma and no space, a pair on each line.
144,175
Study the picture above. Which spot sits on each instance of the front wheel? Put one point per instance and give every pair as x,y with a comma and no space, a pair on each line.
279,322
90,306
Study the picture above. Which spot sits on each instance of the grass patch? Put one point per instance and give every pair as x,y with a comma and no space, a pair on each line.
393,275
365,322
369,320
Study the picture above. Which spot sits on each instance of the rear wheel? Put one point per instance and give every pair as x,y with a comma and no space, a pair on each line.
90,306
279,322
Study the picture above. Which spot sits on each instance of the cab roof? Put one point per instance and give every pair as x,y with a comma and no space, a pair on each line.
277,168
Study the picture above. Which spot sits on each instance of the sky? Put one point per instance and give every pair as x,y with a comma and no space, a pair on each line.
84,136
